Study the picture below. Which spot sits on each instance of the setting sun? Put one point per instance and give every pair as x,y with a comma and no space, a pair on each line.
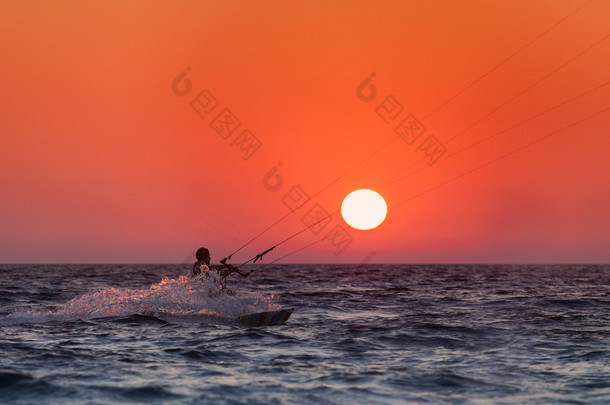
364,209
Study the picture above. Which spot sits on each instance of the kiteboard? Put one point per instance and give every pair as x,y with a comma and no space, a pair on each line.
270,318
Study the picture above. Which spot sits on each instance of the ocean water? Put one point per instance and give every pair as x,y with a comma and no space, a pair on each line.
360,334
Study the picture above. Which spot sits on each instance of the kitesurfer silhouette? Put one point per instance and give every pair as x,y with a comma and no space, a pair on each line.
202,267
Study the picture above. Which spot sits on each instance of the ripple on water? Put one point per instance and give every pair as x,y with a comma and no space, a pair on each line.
15,386
140,394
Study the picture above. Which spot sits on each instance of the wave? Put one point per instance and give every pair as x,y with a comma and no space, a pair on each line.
170,299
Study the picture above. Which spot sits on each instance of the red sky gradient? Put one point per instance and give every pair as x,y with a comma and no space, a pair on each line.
101,161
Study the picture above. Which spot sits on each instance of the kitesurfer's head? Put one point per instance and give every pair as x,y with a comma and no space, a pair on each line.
203,254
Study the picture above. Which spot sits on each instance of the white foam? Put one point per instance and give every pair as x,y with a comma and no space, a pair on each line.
181,298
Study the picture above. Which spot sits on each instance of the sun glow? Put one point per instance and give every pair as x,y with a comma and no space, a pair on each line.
364,209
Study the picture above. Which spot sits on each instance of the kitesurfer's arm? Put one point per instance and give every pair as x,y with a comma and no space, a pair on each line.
232,269
226,269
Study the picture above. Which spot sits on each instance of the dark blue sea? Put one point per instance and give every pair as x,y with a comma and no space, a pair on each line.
359,334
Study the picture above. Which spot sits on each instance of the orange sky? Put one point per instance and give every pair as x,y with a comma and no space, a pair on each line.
102,161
